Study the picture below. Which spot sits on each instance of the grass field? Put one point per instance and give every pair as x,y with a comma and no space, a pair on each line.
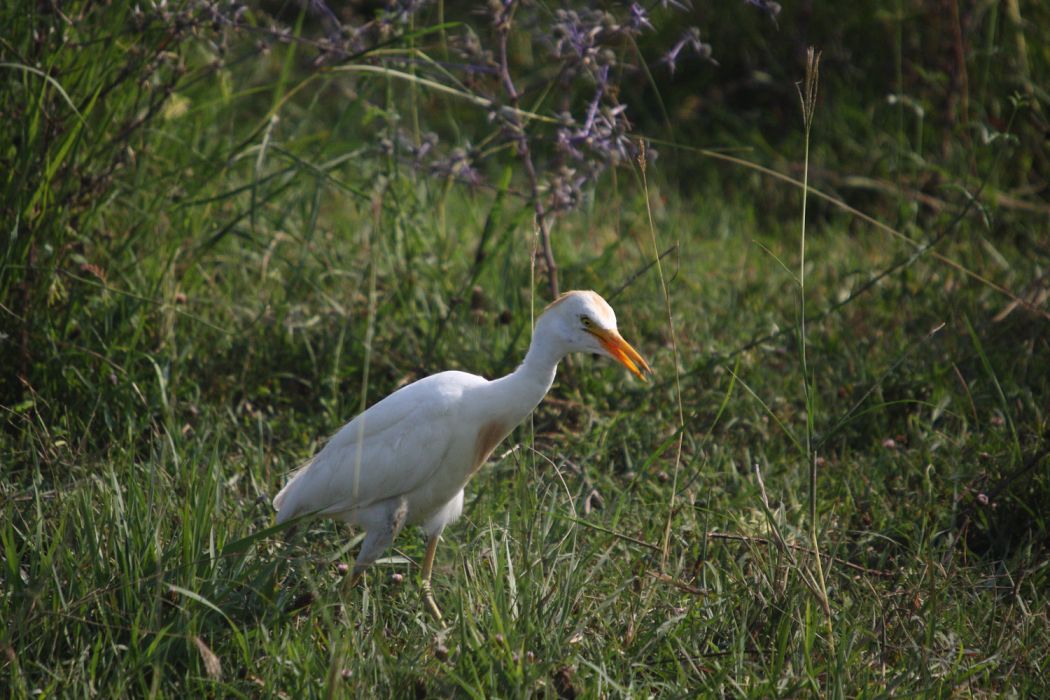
209,270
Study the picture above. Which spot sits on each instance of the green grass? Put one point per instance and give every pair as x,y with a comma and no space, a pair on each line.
189,335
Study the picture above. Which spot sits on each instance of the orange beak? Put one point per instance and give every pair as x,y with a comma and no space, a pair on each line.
619,348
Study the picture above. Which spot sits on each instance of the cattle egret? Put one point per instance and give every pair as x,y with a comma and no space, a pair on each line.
406,460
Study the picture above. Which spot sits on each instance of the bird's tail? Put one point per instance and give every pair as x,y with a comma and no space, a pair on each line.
283,513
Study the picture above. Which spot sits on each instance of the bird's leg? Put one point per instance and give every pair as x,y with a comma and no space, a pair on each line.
428,567
350,581
376,541
370,550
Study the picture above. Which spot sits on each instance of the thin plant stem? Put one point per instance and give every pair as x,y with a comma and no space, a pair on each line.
666,545
808,95
370,328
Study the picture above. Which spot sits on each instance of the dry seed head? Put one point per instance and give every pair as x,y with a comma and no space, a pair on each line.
807,90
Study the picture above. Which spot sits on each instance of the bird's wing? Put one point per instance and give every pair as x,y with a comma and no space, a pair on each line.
389,450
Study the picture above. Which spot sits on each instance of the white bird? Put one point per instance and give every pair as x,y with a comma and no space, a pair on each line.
406,460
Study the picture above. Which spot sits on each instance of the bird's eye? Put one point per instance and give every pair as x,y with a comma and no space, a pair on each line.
586,321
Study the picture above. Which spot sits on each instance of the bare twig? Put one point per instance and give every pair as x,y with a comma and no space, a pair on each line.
680,585
765,542
747,539
503,25
641,271
920,248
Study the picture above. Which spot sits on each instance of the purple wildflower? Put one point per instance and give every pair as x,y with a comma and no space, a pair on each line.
638,19
770,8
690,39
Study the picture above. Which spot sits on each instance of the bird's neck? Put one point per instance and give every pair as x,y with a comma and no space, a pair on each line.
529,383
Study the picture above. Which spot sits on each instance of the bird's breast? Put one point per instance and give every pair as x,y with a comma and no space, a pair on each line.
489,435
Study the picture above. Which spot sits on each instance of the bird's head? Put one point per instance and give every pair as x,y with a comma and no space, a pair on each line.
584,322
